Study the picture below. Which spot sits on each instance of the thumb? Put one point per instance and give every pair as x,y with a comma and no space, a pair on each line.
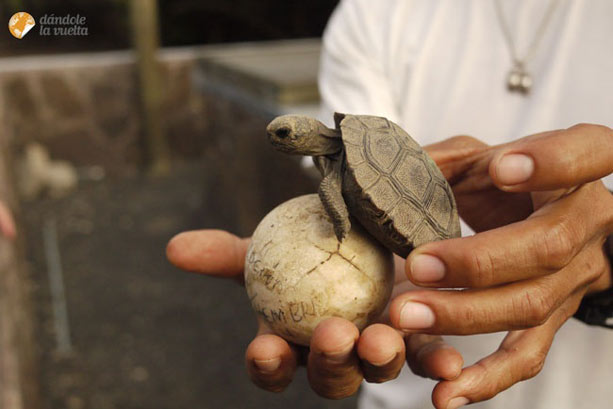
211,252
554,160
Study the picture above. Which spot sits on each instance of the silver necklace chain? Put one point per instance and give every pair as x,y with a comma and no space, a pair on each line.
519,79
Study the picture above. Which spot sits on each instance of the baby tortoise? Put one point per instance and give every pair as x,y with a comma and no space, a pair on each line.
373,170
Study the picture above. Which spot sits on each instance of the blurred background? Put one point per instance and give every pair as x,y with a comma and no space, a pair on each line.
145,119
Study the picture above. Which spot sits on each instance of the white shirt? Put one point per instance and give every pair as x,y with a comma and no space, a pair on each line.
438,68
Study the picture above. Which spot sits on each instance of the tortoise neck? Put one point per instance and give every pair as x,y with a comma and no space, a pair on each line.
325,146
329,141
329,132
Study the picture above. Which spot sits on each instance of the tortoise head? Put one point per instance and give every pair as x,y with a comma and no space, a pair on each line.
301,135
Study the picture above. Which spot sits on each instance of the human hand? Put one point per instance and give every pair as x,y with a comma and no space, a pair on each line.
339,356
541,216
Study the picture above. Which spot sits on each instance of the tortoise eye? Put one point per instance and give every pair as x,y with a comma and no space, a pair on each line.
282,133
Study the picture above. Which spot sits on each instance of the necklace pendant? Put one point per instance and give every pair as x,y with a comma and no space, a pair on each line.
519,80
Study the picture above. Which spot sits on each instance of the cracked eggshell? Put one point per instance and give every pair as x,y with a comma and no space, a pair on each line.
297,273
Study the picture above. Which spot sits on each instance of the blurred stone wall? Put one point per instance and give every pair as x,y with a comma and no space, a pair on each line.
84,107
19,387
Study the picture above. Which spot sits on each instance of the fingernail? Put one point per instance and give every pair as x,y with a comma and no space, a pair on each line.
414,315
267,365
385,361
340,356
514,168
426,268
458,402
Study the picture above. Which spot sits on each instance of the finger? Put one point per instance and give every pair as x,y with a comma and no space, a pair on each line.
7,224
211,252
456,155
513,306
543,244
271,362
399,274
381,349
429,356
604,282
333,366
521,356
553,160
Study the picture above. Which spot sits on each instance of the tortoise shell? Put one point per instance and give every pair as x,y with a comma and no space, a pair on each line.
393,187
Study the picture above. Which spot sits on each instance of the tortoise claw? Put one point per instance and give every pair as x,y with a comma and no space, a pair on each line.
341,229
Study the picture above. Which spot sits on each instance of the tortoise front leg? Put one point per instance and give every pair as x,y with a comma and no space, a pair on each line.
330,193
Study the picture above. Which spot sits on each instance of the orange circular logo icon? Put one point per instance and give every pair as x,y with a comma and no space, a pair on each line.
20,24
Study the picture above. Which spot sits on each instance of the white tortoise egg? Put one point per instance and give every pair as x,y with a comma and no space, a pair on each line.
297,273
